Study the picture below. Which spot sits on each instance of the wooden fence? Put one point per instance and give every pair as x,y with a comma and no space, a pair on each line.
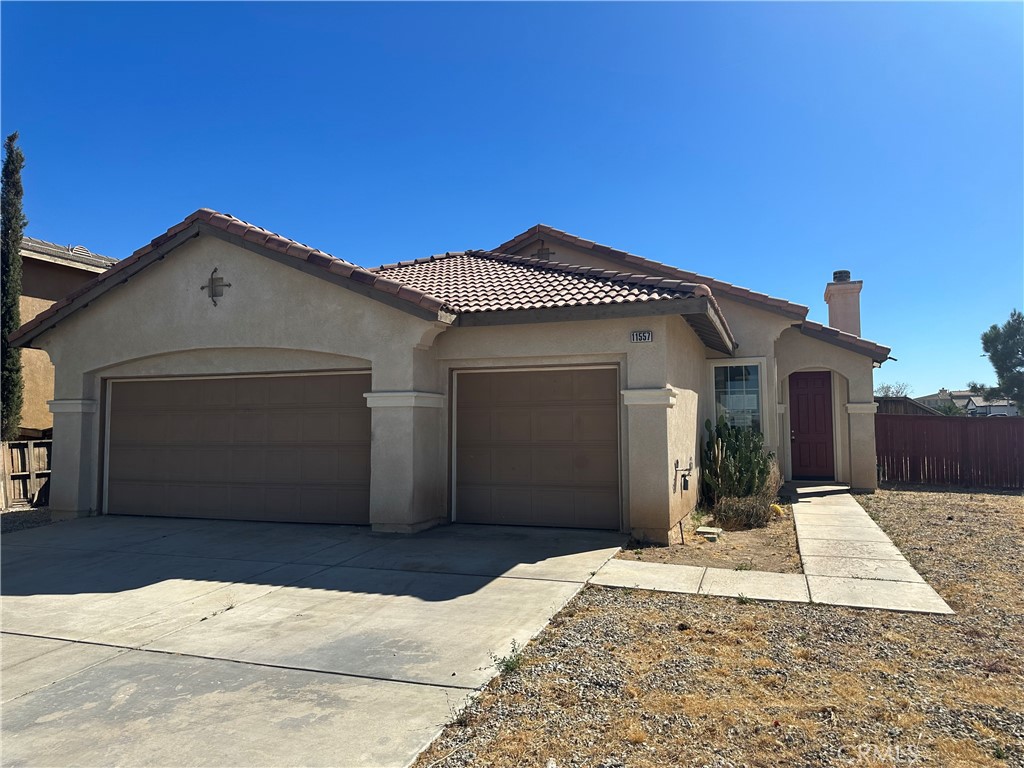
25,467
951,450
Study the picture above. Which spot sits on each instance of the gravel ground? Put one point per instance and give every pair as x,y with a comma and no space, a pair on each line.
18,519
772,548
632,678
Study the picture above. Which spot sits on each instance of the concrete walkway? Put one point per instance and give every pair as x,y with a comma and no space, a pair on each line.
847,560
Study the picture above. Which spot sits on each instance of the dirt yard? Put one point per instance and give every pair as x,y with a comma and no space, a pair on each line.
632,678
772,548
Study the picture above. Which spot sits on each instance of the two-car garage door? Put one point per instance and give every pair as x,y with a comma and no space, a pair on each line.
289,448
538,447
532,447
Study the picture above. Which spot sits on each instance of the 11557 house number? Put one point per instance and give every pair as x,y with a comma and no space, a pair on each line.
641,337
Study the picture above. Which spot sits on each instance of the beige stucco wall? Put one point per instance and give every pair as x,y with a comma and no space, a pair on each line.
652,434
275,318
853,402
768,339
272,318
36,373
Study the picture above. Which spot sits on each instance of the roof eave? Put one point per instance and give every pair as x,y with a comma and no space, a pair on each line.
876,352
698,312
318,265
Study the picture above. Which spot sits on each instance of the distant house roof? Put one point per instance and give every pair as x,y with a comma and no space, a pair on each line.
475,282
77,256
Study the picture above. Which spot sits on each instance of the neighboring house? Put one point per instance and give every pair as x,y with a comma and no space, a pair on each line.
977,405
904,406
49,273
945,397
969,403
226,371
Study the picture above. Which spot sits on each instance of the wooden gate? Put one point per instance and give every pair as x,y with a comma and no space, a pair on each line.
26,468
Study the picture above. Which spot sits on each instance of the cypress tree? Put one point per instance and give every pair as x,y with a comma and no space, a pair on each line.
12,227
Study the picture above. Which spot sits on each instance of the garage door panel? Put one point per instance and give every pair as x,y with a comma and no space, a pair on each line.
594,424
511,388
600,506
511,467
249,427
551,466
258,448
214,427
473,424
552,386
552,424
598,385
538,448
180,427
474,465
594,466
511,425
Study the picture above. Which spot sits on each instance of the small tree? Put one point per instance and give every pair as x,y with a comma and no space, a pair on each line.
1004,346
950,409
899,389
12,227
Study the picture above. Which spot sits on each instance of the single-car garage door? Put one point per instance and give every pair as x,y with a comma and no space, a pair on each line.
537,448
283,448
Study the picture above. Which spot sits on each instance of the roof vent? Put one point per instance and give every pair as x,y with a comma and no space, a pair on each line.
841,276
81,250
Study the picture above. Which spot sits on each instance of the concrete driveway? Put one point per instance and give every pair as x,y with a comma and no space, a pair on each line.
159,642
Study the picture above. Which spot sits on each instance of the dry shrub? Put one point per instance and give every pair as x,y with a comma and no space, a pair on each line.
734,514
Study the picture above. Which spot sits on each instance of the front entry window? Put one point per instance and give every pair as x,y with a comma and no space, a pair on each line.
738,395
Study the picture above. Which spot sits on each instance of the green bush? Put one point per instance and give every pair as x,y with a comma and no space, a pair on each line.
739,478
735,462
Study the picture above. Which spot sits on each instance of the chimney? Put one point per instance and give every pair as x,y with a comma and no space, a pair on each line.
843,298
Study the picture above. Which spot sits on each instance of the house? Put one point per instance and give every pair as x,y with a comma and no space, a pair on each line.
978,405
903,406
944,398
49,273
226,371
970,403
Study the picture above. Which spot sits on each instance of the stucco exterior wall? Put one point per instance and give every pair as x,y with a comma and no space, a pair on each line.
36,373
658,407
272,318
42,284
853,402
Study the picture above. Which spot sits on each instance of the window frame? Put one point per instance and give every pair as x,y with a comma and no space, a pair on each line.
735,362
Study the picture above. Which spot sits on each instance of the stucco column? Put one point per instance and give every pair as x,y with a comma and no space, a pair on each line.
650,476
73,468
863,472
406,470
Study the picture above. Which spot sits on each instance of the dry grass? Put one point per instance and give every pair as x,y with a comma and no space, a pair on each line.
634,678
772,548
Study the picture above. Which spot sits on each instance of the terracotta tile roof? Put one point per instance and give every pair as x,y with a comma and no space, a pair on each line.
220,223
876,352
487,281
74,256
647,266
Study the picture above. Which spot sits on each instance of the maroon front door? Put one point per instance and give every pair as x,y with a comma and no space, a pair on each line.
810,419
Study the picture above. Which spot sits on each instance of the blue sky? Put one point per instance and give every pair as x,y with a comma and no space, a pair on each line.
764,144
